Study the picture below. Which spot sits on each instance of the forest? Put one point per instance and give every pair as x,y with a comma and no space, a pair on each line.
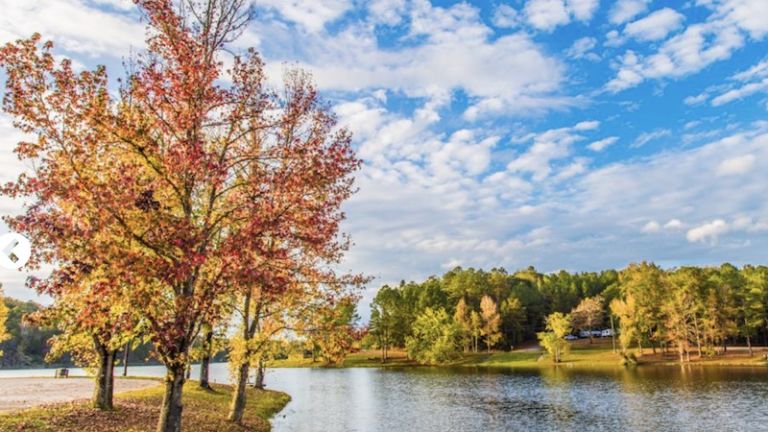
696,311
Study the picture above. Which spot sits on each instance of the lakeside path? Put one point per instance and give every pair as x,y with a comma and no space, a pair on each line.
21,393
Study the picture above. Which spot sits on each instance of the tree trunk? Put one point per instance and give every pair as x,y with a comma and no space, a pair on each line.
613,335
205,363
698,339
105,379
259,381
170,414
749,345
237,407
126,355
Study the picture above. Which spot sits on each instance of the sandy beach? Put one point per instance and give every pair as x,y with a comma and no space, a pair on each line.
20,393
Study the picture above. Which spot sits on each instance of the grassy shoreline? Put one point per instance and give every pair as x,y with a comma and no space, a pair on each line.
138,411
582,355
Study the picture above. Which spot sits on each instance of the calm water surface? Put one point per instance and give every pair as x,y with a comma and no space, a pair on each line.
474,400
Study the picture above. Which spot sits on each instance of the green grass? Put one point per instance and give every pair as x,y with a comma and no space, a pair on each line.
600,355
138,410
358,359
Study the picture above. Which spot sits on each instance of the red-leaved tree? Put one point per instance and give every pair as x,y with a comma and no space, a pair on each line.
182,177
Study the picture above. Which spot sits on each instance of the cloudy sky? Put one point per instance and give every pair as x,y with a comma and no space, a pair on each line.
564,134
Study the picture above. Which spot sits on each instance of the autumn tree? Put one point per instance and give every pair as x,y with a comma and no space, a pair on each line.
462,318
647,284
558,325
588,314
629,328
475,328
491,328
720,315
178,172
436,338
680,312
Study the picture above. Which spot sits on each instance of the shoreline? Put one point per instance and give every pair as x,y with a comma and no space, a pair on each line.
138,409
597,356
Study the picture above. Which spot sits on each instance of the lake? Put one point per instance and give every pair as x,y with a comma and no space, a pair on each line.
648,398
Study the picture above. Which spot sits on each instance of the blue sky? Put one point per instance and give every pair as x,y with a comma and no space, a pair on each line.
565,134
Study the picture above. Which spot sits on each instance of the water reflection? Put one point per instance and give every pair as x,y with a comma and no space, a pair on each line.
464,399
472,400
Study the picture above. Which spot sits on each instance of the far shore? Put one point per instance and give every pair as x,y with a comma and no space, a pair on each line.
599,354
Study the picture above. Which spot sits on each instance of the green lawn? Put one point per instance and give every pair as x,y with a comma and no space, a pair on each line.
204,411
357,359
600,354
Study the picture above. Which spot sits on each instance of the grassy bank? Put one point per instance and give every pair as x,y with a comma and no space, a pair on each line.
204,411
582,354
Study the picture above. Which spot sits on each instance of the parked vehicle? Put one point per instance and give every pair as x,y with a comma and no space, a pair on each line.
606,333
597,333
584,334
571,337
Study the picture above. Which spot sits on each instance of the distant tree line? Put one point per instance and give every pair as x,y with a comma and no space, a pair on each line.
694,310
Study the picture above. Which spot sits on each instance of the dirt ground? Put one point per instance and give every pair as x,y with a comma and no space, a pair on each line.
20,393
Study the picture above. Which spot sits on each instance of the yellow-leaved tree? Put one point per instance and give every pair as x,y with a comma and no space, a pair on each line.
4,335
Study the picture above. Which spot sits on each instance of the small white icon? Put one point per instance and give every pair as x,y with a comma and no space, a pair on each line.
15,251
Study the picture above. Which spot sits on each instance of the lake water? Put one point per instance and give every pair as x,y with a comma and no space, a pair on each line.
473,400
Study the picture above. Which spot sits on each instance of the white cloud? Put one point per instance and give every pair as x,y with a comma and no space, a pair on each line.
74,26
602,144
547,147
736,165
751,81
698,46
582,10
749,15
709,231
651,227
311,14
454,41
674,224
505,16
388,12
582,48
655,26
548,14
624,10
759,70
741,92
697,99
587,125
646,137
